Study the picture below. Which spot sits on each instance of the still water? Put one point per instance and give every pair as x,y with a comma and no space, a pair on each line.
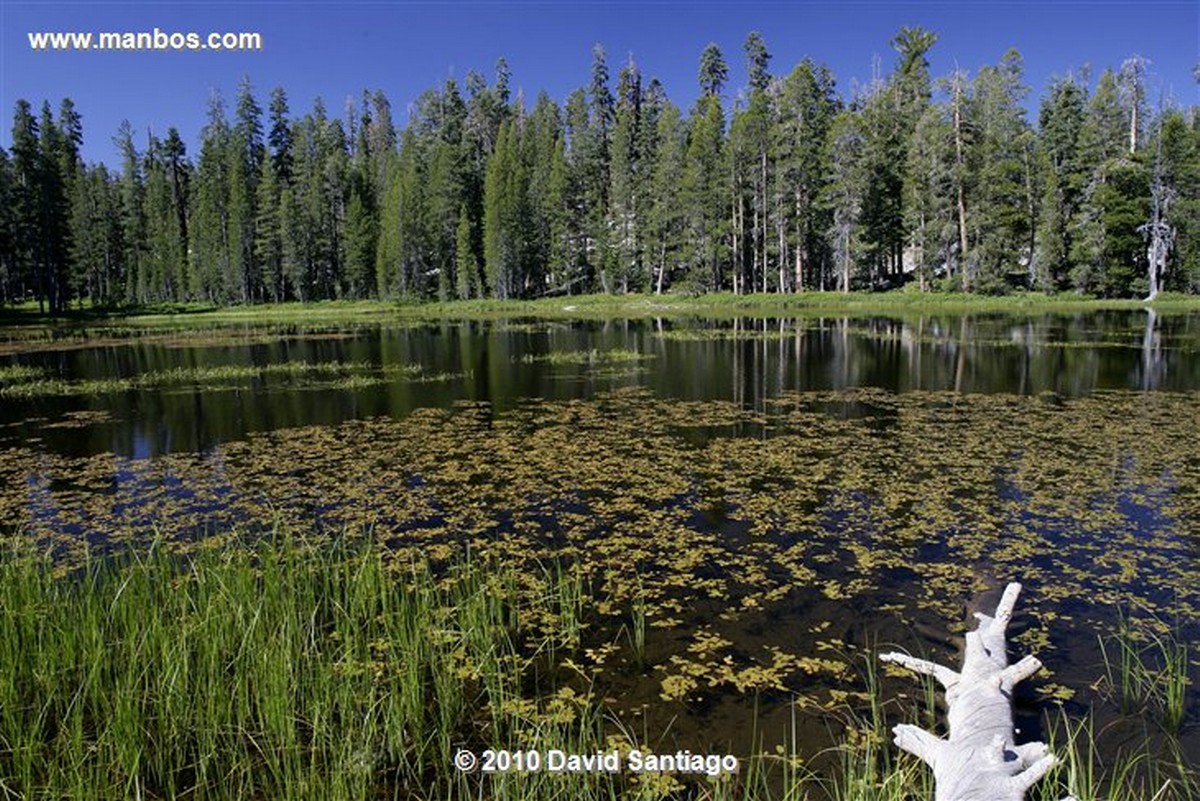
780,498
747,361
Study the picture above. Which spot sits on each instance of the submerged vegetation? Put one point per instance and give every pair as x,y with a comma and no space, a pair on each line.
301,666
703,528
707,499
333,595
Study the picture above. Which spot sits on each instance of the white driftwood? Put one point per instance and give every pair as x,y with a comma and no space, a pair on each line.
979,761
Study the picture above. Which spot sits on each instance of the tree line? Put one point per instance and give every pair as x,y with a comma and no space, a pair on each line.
779,186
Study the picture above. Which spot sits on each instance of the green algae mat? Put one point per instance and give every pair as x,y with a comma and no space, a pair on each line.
748,513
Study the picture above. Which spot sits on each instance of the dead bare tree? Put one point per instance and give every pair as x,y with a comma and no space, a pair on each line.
1158,232
979,759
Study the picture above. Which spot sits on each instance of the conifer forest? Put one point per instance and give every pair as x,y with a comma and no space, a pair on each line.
789,183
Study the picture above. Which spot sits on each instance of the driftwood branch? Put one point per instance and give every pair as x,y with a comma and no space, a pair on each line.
979,760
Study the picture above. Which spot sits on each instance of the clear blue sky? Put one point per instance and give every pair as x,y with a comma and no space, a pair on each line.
334,50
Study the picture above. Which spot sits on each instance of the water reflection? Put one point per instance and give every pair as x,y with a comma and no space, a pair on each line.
1154,367
746,360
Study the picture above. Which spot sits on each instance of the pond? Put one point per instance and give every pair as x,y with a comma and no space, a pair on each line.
766,501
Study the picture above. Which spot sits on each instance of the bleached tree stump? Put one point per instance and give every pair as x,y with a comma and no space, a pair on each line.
979,760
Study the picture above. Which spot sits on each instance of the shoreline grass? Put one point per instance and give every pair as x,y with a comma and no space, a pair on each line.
34,382
1148,671
286,668
602,306
293,667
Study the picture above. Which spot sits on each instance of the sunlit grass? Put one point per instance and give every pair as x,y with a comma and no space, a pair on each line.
33,383
1148,671
294,666
602,305
590,357
282,668
19,374
1145,770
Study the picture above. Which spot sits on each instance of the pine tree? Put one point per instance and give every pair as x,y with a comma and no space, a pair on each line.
361,236
381,134
504,217
178,170
28,278
625,177
1065,175
245,155
910,89
714,72
70,167
889,116
844,196
466,262
98,247
929,186
556,211
592,140
619,192
212,267
704,190
577,156
1001,226
387,245
157,279
883,153
295,248
280,136
133,224
758,138
804,111
313,238
330,204
750,174
444,198
403,251
1176,182
667,218
53,211
268,235
542,131
1105,250
757,62
8,284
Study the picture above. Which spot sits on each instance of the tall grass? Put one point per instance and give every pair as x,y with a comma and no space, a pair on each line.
293,667
282,669
1141,771
1148,671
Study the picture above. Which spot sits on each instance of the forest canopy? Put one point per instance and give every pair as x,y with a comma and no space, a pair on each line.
782,185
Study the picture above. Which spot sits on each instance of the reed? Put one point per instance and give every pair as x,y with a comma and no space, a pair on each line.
292,666
1146,668
282,668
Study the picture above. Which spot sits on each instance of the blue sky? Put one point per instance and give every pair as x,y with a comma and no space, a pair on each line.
334,50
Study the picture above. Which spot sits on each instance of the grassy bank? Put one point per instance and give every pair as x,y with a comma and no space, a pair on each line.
600,306
309,669
286,669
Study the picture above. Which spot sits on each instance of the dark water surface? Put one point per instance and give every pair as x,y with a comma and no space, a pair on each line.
781,496
746,361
